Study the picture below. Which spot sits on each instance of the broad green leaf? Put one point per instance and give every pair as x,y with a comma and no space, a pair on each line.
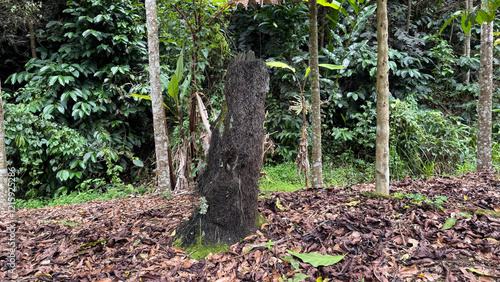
98,18
354,6
86,33
483,16
173,87
184,87
180,67
450,222
334,3
145,97
13,78
43,69
331,67
63,175
164,82
73,95
60,78
316,259
218,2
455,15
308,70
466,24
52,80
280,65
497,42
113,155
138,162
114,70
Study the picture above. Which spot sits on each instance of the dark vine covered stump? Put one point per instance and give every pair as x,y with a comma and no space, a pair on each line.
230,182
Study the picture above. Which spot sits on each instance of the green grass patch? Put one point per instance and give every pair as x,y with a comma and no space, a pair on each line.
281,177
284,177
82,196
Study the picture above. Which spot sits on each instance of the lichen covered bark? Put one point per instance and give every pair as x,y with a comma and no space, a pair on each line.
159,123
230,182
316,156
4,176
484,106
382,139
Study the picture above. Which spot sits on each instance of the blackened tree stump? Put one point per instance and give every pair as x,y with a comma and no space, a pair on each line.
230,182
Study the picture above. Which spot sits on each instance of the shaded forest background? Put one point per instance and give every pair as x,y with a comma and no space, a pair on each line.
72,123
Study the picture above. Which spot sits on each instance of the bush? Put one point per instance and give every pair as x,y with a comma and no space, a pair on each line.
424,142
77,95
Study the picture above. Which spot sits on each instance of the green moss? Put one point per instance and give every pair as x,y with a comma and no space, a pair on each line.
260,220
71,223
220,122
481,211
200,250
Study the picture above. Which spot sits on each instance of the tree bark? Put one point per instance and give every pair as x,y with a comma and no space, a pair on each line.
159,123
468,7
4,175
317,165
382,139
32,39
229,185
408,17
484,106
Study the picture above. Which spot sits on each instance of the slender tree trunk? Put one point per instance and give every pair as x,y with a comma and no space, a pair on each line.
408,17
32,39
317,170
484,105
4,175
161,140
468,7
382,141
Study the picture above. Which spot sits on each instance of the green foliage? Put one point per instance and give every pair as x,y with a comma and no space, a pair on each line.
299,276
82,195
423,142
316,259
209,53
450,222
89,61
49,155
418,199
277,33
281,177
347,169
342,171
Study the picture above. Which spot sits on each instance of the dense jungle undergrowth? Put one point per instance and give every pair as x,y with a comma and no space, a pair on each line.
76,130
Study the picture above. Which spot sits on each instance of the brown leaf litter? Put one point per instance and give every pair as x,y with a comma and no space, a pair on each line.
385,239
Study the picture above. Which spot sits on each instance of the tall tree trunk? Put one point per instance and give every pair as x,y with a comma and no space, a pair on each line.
159,123
408,17
229,185
32,39
484,105
317,164
468,7
4,175
382,140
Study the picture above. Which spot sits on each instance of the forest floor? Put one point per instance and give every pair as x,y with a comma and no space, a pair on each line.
383,239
